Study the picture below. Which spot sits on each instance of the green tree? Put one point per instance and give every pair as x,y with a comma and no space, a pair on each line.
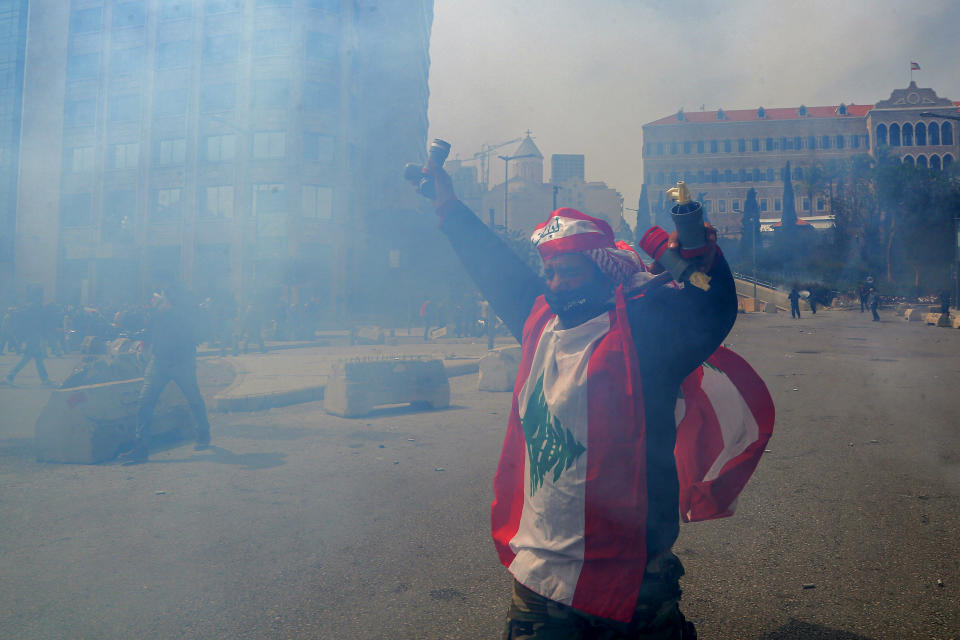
750,232
813,183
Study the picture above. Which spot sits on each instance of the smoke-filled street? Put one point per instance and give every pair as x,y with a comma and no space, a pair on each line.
299,524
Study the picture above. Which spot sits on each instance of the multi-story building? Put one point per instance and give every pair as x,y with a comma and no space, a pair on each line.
230,144
722,154
566,166
13,40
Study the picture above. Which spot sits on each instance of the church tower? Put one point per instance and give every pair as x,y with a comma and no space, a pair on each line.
528,169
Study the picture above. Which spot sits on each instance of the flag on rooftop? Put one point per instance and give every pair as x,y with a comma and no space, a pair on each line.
914,66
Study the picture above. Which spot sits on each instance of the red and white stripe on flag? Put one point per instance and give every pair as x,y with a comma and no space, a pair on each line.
724,422
914,66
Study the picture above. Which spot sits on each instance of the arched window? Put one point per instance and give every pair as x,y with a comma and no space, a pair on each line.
947,160
946,133
894,135
921,131
907,135
881,134
935,162
908,160
922,161
933,132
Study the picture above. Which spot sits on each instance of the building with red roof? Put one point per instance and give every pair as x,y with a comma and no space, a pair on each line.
722,154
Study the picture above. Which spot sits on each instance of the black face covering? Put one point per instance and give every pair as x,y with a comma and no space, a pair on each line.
576,306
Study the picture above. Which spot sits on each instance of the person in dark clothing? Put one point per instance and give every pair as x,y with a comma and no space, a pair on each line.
172,341
864,297
944,301
794,296
32,324
874,300
673,331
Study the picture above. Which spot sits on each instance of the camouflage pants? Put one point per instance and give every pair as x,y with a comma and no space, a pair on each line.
656,617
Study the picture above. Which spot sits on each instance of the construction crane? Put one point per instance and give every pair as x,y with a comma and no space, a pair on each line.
484,157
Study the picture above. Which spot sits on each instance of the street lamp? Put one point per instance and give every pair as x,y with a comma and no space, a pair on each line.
506,184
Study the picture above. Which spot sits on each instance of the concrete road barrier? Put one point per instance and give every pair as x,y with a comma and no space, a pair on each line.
93,423
769,307
914,314
356,387
498,369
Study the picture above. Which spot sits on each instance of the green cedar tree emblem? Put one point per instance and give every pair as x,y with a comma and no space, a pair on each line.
550,447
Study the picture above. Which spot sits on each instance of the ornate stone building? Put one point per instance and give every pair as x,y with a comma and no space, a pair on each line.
722,154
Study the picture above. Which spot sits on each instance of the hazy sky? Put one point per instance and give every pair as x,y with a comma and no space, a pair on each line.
584,76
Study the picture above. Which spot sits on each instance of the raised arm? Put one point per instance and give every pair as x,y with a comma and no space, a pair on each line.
503,278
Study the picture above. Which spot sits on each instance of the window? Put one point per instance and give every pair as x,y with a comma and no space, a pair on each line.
125,107
128,14
269,198
742,145
269,144
117,205
770,174
946,134
79,113
811,142
935,162
83,67
659,148
713,146
221,148
700,146
722,206
743,175
127,61
172,151
217,202
933,130
855,142
272,42
218,97
75,209
820,204
777,204
736,205
220,49
321,46
921,131
320,148
757,175
947,161
172,55
124,155
798,173
755,144
323,96
317,202
81,159
273,93
806,204
714,176
661,179
727,146
840,141
922,161
763,204
907,133
673,148
170,103
175,9
769,144
707,206
728,175
166,205
824,142
894,135
687,147
786,144
86,20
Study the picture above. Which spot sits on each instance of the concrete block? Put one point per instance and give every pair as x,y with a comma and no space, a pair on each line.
902,308
769,307
944,320
747,305
93,423
931,318
368,335
356,387
498,369
955,321
914,314
439,332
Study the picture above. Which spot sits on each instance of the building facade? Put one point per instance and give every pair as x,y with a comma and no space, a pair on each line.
722,154
13,41
233,145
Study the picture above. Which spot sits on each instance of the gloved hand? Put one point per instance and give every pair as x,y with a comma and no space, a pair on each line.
443,186
656,241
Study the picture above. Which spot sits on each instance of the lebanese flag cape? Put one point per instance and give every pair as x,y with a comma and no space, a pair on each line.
589,484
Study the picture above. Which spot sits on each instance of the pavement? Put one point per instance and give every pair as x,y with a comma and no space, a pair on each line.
299,524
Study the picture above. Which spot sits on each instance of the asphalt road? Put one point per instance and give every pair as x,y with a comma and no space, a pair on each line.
303,525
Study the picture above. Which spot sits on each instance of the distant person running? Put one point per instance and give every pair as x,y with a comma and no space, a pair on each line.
31,323
874,305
